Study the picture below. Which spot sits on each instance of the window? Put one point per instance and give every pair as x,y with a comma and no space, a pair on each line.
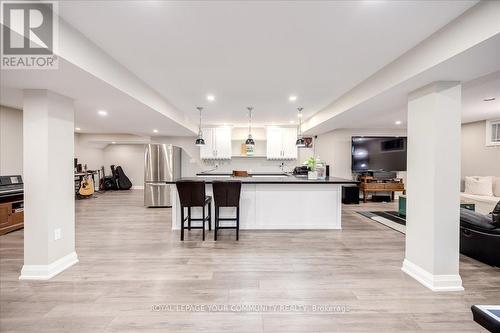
493,132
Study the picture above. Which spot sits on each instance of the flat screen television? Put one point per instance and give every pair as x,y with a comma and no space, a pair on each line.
377,153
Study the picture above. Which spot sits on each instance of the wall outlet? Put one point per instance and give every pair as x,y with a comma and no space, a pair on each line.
57,234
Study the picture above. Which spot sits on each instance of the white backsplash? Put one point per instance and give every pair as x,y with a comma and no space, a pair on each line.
249,164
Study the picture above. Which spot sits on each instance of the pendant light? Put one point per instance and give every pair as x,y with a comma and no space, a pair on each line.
300,140
199,139
250,141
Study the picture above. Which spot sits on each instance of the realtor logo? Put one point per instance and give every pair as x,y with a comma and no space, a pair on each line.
29,31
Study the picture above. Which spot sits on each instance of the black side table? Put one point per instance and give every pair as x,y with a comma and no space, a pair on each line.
350,195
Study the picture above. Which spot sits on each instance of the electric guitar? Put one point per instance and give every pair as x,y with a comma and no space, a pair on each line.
86,186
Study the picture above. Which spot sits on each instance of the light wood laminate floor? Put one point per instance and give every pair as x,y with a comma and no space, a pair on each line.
130,261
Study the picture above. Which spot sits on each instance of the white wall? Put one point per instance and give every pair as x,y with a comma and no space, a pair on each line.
477,158
335,147
130,158
11,141
92,155
192,164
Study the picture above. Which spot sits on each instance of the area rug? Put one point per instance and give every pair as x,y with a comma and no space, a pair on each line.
390,219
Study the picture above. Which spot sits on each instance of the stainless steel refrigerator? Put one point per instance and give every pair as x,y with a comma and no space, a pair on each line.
161,163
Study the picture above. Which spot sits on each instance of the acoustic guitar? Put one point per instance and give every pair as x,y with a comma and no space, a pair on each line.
86,186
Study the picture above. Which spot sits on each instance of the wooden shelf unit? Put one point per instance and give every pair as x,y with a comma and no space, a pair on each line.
11,215
367,185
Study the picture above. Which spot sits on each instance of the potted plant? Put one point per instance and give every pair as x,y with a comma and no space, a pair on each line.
311,164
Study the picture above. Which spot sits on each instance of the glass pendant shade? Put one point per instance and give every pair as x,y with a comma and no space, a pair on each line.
199,140
250,141
300,142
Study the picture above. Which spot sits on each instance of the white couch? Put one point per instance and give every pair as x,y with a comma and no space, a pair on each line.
484,203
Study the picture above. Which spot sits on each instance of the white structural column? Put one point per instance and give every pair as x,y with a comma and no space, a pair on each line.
49,214
433,186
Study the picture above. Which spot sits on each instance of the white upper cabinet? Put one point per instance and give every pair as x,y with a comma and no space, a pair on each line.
289,143
274,143
217,143
223,143
281,143
207,151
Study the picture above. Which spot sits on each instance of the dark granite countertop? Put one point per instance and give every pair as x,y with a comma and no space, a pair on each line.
266,178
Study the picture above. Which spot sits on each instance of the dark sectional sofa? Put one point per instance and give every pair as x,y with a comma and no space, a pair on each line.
480,235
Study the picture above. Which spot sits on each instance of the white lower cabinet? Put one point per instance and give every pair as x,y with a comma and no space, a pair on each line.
281,143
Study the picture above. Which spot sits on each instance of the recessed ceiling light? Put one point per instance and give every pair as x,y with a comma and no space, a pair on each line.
292,98
489,99
299,115
77,128
155,131
210,98
398,122
292,121
113,142
102,113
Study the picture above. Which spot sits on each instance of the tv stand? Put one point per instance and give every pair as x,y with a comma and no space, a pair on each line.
369,184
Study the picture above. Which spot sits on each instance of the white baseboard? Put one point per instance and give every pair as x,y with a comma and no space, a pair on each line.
137,187
46,272
452,282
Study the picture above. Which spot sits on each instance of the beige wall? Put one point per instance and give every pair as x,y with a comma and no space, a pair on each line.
477,158
11,141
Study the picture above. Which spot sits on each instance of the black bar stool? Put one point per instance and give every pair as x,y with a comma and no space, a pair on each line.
192,194
227,194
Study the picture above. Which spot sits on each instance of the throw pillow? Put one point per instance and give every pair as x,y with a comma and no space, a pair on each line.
479,185
496,186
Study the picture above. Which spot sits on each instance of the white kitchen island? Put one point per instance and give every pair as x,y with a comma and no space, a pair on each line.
268,202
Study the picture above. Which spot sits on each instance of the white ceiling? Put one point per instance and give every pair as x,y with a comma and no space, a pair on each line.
125,115
477,68
474,106
386,109
255,52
